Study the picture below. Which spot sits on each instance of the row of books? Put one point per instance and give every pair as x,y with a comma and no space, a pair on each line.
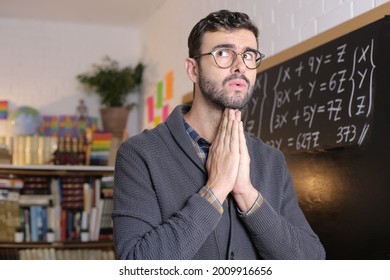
9,218
36,150
96,148
103,148
100,148
28,150
64,206
56,254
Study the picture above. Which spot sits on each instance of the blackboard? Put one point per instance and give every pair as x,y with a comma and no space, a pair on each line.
342,188
320,99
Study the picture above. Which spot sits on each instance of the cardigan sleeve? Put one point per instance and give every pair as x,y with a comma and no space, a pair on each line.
139,230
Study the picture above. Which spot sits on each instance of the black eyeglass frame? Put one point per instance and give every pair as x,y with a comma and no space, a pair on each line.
259,59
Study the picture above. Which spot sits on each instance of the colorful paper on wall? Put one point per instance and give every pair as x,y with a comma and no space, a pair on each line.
157,120
3,110
157,105
169,85
150,108
165,112
159,94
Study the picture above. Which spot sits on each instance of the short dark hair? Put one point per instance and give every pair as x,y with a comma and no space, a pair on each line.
222,19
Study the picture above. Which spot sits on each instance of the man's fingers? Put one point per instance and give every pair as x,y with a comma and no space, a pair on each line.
244,153
234,136
237,115
219,138
229,128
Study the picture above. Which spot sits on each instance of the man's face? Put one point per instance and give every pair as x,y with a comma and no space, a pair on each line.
231,87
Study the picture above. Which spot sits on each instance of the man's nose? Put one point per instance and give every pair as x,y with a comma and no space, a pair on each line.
239,65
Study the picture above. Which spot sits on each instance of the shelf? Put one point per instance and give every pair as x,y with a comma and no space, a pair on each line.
77,184
106,244
56,169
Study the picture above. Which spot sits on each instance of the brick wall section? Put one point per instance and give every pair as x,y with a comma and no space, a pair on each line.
40,59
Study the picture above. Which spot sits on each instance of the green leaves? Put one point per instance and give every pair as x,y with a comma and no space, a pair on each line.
111,82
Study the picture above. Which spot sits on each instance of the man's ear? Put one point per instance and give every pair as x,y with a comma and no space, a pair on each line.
192,69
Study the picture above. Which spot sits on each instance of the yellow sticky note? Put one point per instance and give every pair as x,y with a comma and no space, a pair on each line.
157,120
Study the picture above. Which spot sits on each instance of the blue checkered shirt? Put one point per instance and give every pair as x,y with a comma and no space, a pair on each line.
200,144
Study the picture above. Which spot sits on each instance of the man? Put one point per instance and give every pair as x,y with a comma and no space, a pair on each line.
198,187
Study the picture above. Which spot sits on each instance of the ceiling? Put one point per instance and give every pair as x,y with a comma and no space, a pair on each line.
101,12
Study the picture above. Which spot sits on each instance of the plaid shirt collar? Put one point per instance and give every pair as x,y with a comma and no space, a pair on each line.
200,144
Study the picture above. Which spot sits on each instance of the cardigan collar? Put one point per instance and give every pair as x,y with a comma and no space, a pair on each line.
176,127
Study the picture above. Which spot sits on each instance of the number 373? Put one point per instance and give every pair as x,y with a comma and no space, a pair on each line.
346,134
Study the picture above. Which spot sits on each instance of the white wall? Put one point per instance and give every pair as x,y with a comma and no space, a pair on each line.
39,61
282,24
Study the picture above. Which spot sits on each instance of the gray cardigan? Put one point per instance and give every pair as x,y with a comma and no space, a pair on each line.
159,215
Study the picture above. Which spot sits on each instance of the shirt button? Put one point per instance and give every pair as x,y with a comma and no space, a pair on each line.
232,255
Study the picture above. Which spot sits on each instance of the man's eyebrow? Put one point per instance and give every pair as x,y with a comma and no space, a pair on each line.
224,46
250,49
232,47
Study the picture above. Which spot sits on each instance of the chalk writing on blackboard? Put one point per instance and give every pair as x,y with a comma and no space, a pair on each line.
320,99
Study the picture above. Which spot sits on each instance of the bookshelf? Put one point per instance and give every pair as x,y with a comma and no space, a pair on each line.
104,244
56,170
70,200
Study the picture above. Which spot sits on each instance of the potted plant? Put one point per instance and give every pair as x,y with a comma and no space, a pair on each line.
113,84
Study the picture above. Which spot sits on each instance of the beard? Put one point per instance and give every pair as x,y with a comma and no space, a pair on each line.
219,97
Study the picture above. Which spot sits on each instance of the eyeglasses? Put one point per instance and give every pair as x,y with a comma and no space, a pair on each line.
225,58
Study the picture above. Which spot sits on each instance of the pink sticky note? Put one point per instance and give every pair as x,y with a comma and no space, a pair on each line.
150,108
165,112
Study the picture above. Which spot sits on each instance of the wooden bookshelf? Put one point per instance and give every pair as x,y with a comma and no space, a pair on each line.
103,244
56,170
65,246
